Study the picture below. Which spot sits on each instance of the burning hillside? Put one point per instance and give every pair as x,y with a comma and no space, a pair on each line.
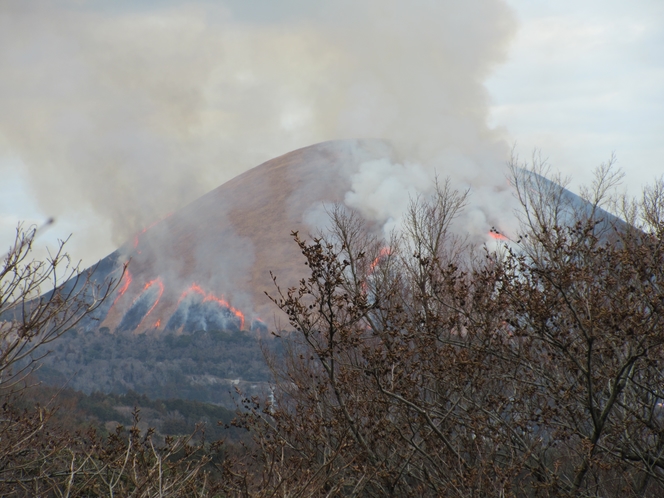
207,266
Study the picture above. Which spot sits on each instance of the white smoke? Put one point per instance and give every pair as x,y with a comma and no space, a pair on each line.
381,190
123,112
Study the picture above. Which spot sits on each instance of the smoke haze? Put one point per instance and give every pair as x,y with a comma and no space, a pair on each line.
122,112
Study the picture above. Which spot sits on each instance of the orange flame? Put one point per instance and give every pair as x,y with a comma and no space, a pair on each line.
211,297
384,251
497,236
125,286
158,322
157,281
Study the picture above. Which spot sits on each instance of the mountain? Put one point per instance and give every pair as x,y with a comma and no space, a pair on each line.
207,266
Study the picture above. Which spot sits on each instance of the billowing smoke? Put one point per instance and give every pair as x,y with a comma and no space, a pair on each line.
382,189
124,111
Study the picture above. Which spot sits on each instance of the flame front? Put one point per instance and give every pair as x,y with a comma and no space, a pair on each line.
497,235
384,252
125,286
207,297
150,294
157,281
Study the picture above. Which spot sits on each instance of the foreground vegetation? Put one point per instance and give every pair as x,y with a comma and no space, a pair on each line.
424,366
103,412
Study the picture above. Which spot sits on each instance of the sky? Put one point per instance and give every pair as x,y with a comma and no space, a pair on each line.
584,79
116,113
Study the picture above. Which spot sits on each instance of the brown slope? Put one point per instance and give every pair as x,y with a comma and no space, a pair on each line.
229,240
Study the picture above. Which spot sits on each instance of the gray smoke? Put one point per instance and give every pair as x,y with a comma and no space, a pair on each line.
121,112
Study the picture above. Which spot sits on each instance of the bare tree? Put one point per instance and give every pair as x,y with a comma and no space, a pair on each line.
419,369
39,301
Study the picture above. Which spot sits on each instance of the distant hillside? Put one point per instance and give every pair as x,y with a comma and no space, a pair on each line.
205,366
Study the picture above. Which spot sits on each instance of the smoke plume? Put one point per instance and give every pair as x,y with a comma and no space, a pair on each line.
124,111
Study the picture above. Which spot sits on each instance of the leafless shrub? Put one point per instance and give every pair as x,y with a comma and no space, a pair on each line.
417,370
